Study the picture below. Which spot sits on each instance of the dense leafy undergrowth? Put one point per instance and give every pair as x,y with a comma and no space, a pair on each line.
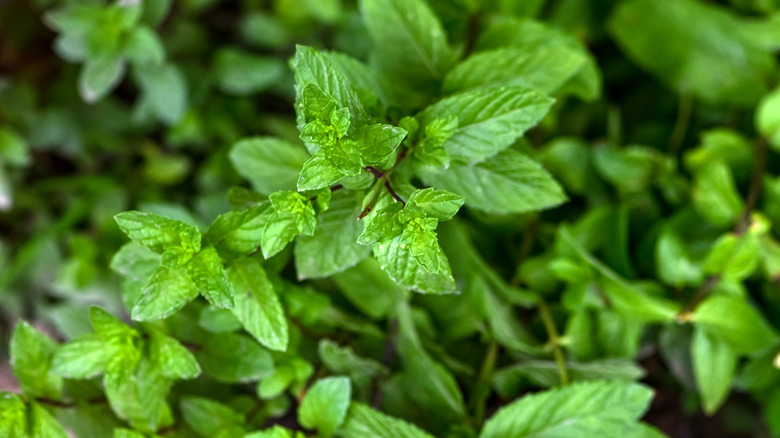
390,218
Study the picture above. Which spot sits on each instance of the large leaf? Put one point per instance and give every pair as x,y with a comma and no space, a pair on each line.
269,163
364,422
256,304
489,119
600,408
510,182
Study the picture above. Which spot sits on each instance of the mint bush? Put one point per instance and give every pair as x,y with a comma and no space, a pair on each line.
389,218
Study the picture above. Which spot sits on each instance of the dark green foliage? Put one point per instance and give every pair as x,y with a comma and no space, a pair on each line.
389,218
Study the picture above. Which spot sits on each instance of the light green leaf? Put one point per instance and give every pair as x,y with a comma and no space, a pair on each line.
211,419
545,373
208,275
715,195
439,204
419,236
233,358
317,173
409,40
138,395
325,406
127,433
734,321
108,327
257,306
269,163
489,119
507,183
673,263
292,214
274,432
238,233
599,408
165,89
31,359
168,291
218,320
333,247
377,141
312,68
14,149
242,73
44,425
173,359
734,257
768,118
545,68
136,264
364,422
158,233
711,59
99,76
82,358
370,289
404,269
143,47
382,225
714,366
13,421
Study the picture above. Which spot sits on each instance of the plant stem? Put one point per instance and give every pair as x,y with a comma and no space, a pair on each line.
555,340
684,112
383,179
482,388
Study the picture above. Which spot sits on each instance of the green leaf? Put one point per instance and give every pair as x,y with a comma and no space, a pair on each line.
127,433
344,361
143,47
362,422
409,41
239,233
317,173
507,183
370,289
31,359
13,422
545,68
165,90
82,358
211,419
714,366
158,233
242,73
489,119
404,269
382,225
256,304
768,118
233,358
172,358
274,432
439,204
44,425
108,327
673,262
377,141
312,68
734,257
333,247
99,76
711,59
136,264
269,163
715,195
600,408
14,150
325,406
208,275
419,237
292,214
218,320
138,395
168,291
545,373
734,321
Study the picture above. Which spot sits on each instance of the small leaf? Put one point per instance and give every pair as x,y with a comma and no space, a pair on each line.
13,421
31,358
256,304
44,425
270,164
99,76
158,233
714,366
439,204
768,118
317,173
167,292
82,358
172,358
165,89
325,406
208,275
239,233
734,321
242,73
362,421
233,358
377,141
143,47
211,419
404,269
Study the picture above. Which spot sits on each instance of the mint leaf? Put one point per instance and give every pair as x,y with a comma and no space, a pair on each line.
31,359
256,304
168,291
544,68
158,233
99,76
143,47
404,268
507,183
489,119
44,425
382,225
242,73
419,236
333,247
377,141
715,195
292,214
238,233
767,119
362,421
172,358
370,289
409,40
438,204
165,91
136,264
82,358
208,275
234,358
714,366
325,405
211,419
734,321
13,422
599,408
269,163
317,173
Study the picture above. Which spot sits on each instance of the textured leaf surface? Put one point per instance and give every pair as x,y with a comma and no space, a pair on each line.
256,304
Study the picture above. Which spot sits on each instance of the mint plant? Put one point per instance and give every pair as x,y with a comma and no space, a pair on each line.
389,218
